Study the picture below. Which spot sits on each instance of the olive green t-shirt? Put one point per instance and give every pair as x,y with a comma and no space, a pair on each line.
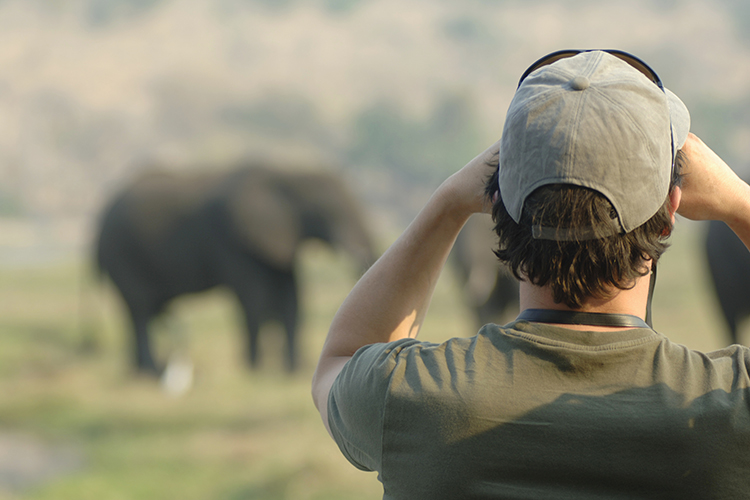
531,411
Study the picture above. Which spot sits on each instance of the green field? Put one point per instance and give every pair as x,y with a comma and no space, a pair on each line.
75,423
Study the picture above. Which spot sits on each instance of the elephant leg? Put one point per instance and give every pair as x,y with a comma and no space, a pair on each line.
733,335
249,281
144,360
289,307
290,327
253,329
141,318
251,310
286,309
265,294
729,310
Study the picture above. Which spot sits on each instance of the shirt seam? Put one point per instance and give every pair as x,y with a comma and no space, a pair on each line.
386,402
614,346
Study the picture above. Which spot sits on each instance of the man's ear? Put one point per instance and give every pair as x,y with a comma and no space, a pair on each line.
674,201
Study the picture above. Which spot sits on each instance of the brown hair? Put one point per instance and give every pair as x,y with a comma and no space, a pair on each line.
576,270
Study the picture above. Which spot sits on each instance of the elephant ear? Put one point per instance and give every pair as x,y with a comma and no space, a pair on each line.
264,220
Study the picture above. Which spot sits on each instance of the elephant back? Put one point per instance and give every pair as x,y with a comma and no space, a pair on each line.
144,218
489,288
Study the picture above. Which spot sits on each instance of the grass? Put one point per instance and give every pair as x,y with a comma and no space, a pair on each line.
65,382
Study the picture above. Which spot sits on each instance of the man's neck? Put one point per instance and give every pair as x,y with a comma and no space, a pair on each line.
631,301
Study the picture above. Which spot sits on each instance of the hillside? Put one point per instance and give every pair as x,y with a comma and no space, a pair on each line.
94,90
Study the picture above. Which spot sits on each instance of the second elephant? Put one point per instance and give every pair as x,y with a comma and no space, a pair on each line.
167,235
489,289
729,266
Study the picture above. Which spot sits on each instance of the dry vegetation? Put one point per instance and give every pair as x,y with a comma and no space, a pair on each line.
94,90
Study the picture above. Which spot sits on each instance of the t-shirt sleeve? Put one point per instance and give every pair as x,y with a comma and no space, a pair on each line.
356,403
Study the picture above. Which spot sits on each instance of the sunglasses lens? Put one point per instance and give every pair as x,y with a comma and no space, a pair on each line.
639,65
624,56
547,60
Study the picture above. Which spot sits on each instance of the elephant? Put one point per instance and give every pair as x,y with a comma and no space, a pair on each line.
729,267
489,288
169,234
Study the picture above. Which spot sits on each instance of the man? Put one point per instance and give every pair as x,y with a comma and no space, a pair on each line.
579,397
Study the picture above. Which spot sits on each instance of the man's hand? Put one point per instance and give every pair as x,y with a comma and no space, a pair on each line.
712,191
466,188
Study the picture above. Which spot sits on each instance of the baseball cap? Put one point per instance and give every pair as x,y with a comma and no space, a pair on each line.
596,121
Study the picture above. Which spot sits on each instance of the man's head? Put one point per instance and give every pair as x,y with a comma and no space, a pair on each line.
586,167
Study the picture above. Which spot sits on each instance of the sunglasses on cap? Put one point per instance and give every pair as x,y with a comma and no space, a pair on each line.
632,60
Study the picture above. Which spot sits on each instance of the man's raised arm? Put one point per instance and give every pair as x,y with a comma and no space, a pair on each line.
391,300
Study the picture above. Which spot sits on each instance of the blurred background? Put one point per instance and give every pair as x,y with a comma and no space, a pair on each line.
391,95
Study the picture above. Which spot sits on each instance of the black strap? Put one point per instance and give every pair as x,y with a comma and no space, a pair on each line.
581,318
651,286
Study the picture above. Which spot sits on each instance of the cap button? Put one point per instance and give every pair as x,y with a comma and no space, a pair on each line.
580,83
